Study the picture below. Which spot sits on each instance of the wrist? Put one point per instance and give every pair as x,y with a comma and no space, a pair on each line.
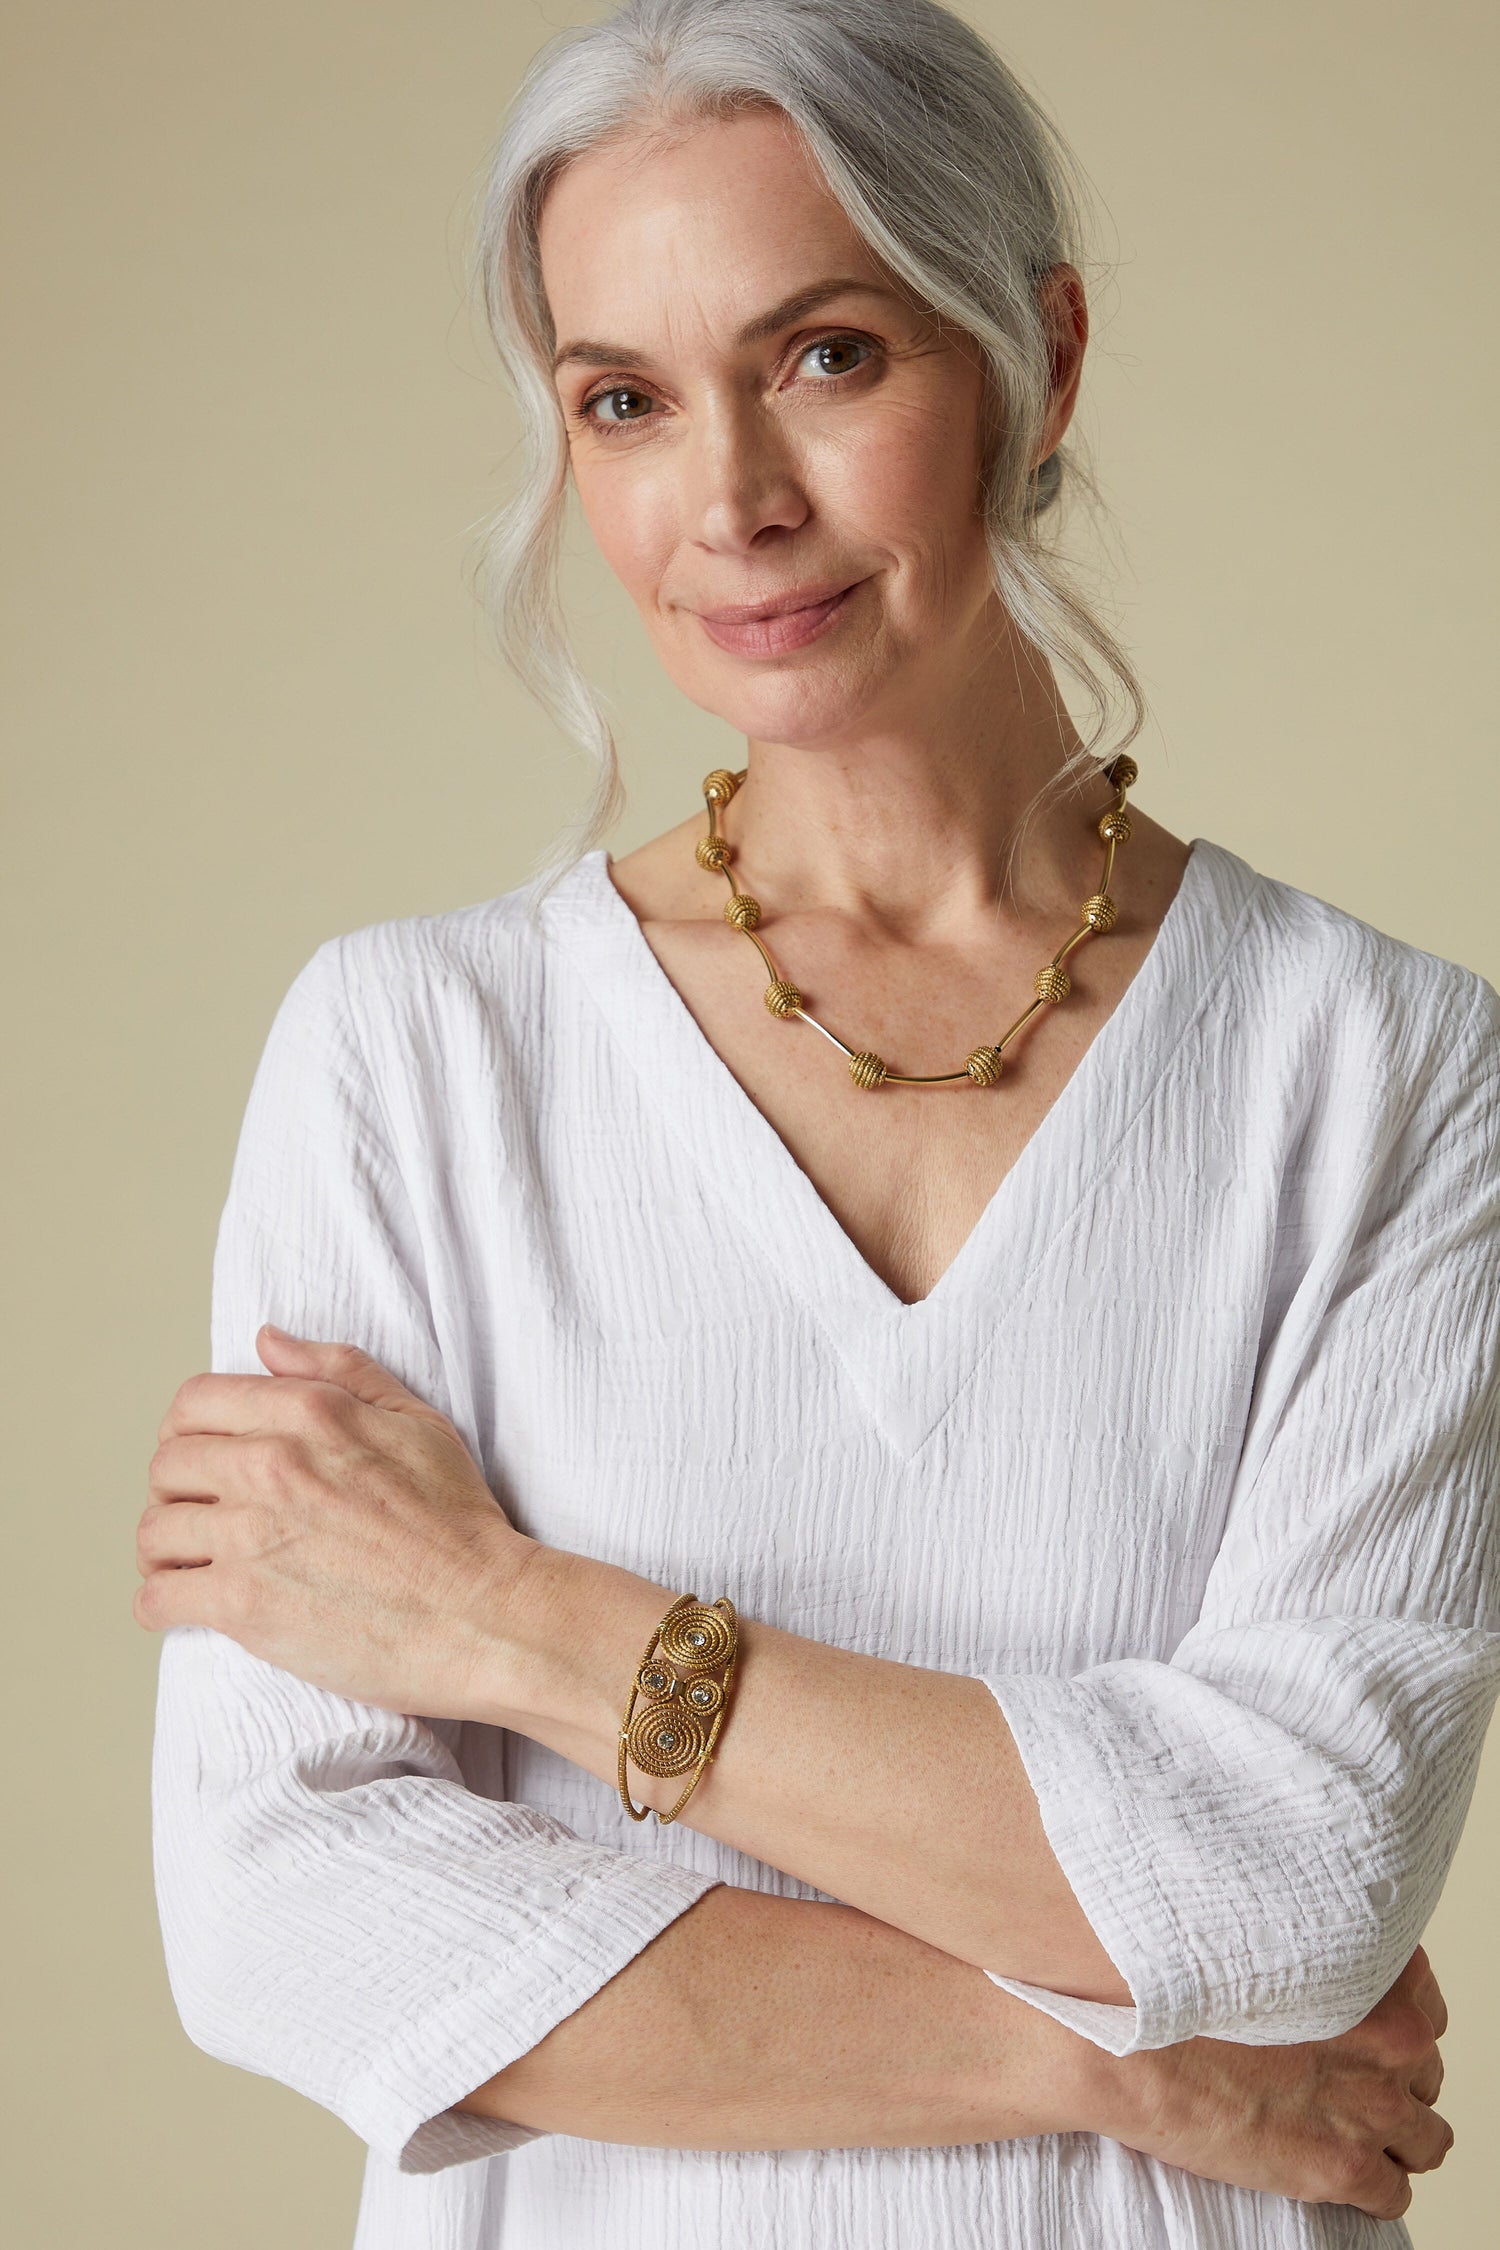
570,1633
1073,2086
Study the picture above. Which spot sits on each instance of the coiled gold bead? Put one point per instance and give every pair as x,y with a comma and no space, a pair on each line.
1115,828
1052,983
742,910
720,785
1100,911
985,1065
867,1070
712,851
1122,772
782,999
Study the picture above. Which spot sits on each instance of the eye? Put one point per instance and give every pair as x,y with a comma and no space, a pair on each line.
624,405
833,355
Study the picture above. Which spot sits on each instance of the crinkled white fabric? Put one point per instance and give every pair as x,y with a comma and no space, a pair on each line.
1191,1455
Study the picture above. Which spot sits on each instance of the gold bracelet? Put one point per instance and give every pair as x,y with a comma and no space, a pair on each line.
681,1708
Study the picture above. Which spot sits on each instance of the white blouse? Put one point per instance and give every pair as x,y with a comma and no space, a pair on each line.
1192,1455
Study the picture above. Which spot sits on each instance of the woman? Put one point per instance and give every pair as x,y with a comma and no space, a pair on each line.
1096,1442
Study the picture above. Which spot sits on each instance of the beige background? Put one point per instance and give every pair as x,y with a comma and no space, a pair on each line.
252,706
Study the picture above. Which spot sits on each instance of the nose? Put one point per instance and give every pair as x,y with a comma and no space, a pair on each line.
743,480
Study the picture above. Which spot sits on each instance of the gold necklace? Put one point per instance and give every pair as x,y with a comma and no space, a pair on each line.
1050,984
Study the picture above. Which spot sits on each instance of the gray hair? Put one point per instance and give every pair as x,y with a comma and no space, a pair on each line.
946,167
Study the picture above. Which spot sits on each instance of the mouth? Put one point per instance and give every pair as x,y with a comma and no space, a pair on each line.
786,621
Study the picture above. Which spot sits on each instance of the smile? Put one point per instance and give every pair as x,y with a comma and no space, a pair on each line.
771,629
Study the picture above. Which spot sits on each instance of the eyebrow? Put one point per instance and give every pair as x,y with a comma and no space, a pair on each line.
587,352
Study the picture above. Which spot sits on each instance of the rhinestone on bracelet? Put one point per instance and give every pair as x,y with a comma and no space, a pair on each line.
681,1706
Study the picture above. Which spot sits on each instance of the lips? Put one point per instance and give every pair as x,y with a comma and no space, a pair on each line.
785,621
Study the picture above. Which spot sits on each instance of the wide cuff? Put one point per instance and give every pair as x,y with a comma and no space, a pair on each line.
1087,1813
401,2103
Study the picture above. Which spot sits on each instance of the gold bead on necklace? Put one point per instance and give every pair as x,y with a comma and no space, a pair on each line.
1052,984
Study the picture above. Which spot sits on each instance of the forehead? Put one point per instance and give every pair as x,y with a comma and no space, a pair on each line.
713,222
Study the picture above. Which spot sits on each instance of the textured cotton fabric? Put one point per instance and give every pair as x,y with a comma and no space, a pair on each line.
1192,1455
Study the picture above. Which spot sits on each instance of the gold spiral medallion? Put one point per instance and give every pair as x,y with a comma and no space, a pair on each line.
704,1696
666,1739
654,1680
698,1639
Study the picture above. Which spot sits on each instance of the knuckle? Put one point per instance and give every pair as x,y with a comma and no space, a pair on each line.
1389,2106
1403,2031
278,1459
189,1394
326,1407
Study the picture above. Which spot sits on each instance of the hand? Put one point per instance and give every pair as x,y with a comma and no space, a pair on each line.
1342,2120
328,1520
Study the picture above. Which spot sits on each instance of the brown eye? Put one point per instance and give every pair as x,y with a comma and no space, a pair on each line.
836,355
623,405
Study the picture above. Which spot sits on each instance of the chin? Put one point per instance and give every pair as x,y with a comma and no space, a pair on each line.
806,708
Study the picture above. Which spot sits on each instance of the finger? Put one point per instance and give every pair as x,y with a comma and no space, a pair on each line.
177,1597
177,1535
1429,1998
227,1403
352,1369
1384,2190
1422,2145
1427,2080
199,1466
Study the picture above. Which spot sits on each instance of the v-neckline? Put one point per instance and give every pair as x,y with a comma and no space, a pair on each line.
908,1360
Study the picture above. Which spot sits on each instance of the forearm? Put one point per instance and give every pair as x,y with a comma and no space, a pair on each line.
896,1789
758,2022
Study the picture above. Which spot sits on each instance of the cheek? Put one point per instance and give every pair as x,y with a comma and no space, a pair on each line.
906,483
630,512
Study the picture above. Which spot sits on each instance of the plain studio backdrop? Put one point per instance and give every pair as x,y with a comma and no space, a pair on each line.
251,704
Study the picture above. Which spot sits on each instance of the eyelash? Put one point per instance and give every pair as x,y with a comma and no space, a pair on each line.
586,417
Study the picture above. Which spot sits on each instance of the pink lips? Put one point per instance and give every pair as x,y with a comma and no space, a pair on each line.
769,629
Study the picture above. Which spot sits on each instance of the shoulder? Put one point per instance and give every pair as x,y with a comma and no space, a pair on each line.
1339,998
416,983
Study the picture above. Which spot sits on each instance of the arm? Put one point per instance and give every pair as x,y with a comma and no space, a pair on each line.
1247,1840
894,1788
1255,1831
786,2007
342,1908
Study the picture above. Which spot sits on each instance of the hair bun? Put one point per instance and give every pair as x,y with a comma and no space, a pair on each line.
1048,482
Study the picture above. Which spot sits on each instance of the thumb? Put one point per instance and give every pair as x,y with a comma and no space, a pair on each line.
345,1364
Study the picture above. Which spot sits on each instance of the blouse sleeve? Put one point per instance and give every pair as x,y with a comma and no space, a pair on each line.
339,1911
1259,1829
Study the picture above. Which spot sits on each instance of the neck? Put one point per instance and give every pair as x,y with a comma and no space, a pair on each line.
920,821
